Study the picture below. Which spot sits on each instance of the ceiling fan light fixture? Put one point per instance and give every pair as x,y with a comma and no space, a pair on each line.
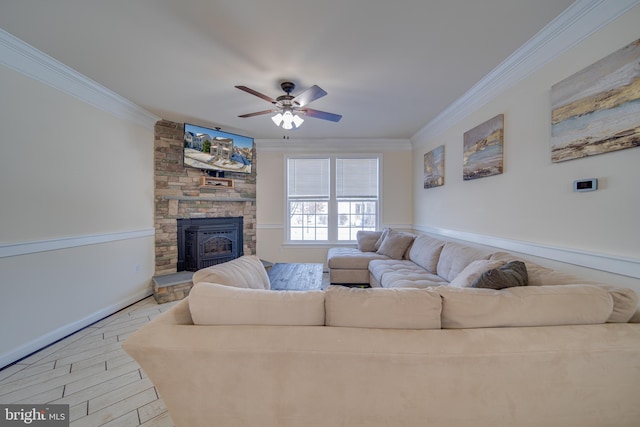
297,120
277,119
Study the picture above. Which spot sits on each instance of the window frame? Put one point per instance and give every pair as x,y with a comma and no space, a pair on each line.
333,222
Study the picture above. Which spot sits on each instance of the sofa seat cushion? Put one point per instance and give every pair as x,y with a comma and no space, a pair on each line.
406,279
382,308
455,257
378,268
425,252
243,272
524,306
351,258
215,304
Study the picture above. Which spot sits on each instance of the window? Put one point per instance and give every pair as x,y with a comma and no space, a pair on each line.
330,198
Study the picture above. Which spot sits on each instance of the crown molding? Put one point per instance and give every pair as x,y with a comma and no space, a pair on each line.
29,61
576,23
333,145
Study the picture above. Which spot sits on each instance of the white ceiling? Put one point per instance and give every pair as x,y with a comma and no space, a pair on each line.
388,67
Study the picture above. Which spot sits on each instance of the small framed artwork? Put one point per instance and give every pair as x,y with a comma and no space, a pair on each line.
483,148
597,110
434,167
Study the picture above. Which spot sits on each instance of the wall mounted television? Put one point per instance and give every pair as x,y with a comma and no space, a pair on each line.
212,150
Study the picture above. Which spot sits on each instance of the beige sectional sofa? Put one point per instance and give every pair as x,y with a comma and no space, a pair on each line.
235,353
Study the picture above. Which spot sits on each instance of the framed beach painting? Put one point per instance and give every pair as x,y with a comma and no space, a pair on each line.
597,110
483,148
434,167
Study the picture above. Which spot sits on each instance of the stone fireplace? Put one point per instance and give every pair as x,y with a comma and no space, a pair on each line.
180,196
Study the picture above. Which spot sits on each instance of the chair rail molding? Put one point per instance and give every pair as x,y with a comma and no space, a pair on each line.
29,61
598,261
26,248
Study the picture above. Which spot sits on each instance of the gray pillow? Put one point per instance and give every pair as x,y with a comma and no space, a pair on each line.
367,240
509,275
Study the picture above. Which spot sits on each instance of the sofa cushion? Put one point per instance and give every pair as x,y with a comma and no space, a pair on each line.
538,275
367,240
625,303
406,279
351,258
395,244
382,308
625,300
243,272
524,306
215,304
381,267
426,251
455,257
511,274
472,271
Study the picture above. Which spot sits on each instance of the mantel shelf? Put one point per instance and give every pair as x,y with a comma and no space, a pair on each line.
210,199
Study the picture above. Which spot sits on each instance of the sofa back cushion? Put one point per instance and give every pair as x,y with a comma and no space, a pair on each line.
524,306
426,251
625,300
215,304
244,272
382,308
455,257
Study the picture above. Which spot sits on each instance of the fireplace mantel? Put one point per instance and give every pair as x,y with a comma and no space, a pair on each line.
209,199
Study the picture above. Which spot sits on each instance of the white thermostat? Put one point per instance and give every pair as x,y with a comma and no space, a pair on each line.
589,184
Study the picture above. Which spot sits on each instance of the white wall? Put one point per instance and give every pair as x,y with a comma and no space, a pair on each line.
531,206
397,208
76,212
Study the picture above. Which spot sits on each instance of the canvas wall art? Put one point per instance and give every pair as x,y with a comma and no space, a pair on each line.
483,146
597,110
434,167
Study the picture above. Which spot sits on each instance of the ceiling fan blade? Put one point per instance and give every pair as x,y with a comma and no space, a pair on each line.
259,113
321,114
309,95
258,94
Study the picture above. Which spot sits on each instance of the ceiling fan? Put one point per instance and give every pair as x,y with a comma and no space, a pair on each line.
288,108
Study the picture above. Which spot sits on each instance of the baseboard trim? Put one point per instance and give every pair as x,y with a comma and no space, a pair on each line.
52,337
598,261
25,248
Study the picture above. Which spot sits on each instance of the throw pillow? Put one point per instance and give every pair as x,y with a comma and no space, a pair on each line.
511,274
367,240
395,244
473,271
382,237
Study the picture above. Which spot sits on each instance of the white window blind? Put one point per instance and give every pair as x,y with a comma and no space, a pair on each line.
308,178
356,178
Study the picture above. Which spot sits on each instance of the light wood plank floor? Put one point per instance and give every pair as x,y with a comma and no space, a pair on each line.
91,373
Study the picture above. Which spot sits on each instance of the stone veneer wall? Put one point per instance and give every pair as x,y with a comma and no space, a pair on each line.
178,195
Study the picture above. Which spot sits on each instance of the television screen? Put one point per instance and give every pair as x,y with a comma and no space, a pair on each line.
214,150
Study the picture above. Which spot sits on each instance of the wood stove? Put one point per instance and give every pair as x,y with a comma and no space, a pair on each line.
203,242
